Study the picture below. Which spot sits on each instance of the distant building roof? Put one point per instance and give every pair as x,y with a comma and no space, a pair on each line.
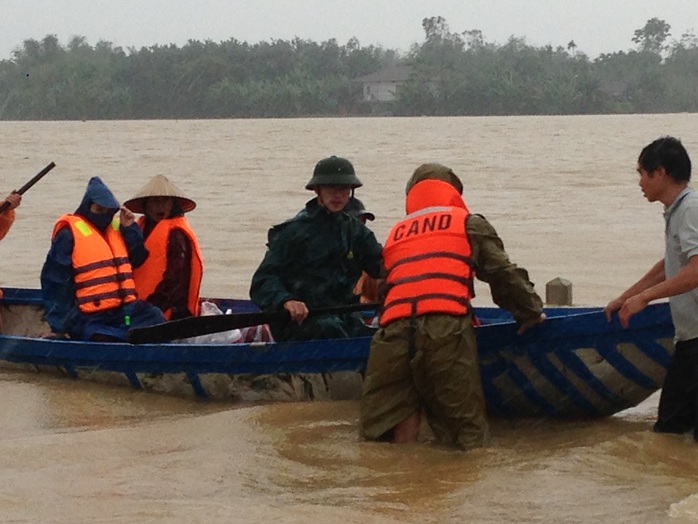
394,73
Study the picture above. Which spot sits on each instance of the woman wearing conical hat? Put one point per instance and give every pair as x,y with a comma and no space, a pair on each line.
171,276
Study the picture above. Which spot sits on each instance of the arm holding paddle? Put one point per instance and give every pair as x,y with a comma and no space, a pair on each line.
13,200
6,220
7,217
297,309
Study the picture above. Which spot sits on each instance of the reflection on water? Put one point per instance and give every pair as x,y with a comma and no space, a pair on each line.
137,455
33,404
561,191
559,471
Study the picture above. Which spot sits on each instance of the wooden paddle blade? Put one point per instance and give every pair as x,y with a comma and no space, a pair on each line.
197,326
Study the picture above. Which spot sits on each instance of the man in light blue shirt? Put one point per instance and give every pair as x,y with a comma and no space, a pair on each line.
665,172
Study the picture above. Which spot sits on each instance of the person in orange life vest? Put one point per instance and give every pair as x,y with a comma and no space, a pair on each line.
423,358
7,218
170,278
86,281
367,287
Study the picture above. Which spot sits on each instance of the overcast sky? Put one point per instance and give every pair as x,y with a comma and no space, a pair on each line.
596,26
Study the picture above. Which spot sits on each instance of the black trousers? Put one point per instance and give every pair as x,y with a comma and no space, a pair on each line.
678,402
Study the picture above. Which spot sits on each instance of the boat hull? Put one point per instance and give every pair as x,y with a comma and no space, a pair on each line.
574,365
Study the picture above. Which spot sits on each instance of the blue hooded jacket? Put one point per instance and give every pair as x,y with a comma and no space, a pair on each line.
57,282
98,193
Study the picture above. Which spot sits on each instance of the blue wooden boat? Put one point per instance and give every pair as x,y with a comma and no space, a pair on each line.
574,365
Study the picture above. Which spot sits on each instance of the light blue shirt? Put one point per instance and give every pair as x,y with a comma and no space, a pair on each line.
681,239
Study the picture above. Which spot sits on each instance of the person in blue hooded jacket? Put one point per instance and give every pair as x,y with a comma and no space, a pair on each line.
86,281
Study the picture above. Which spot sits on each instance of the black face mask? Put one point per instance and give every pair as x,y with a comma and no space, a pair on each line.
101,222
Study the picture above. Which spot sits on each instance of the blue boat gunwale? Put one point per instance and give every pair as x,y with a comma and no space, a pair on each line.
498,327
489,315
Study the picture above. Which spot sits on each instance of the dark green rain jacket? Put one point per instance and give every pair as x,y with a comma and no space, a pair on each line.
315,257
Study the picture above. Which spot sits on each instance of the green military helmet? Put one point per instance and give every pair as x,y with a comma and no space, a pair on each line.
434,172
334,171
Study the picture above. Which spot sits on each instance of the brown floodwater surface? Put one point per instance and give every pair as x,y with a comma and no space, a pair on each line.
561,191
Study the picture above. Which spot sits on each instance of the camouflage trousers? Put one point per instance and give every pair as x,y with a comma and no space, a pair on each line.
428,366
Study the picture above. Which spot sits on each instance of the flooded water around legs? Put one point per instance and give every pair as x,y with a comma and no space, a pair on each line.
563,194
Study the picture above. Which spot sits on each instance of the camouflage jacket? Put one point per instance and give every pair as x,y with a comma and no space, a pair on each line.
315,257
509,284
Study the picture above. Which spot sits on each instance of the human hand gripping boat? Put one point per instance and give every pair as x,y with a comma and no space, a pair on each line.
574,365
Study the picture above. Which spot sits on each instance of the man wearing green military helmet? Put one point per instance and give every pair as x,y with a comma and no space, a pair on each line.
334,181
314,259
334,170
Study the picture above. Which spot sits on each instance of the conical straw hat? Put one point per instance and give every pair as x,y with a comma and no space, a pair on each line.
159,186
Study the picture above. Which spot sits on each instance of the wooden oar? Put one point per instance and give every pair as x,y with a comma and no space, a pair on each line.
195,326
29,184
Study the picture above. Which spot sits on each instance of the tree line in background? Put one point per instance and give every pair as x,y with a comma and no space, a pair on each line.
451,74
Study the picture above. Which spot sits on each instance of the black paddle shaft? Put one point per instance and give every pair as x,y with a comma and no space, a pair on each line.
196,326
29,184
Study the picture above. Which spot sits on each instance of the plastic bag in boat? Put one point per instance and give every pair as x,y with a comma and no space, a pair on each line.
246,335
234,336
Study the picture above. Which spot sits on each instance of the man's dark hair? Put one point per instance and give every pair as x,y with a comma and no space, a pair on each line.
667,152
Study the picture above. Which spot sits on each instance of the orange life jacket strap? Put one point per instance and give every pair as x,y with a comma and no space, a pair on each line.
121,293
426,296
102,263
433,254
119,277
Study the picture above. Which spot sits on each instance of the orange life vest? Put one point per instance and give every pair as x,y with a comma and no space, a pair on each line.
6,219
149,275
428,258
103,278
